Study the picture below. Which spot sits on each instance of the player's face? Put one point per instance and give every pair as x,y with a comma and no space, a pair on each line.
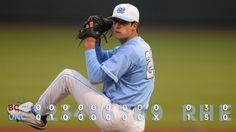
123,30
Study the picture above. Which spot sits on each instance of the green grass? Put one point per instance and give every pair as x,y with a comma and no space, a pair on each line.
192,67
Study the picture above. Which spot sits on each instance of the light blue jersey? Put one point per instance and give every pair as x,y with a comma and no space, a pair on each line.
131,70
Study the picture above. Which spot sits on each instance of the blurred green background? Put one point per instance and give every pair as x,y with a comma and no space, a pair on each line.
193,44
193,66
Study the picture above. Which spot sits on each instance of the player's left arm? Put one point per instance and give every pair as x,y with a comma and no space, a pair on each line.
102,55
113,68
95,73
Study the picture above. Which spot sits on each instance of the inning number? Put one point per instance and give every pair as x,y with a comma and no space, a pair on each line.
150,68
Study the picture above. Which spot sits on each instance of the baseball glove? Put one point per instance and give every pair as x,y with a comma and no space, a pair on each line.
100,28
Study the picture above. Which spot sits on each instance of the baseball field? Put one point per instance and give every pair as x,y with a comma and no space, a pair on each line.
193,65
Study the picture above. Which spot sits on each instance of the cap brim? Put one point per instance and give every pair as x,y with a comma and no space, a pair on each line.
122,18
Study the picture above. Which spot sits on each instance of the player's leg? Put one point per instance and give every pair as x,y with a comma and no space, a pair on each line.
126,120
71,82
67,82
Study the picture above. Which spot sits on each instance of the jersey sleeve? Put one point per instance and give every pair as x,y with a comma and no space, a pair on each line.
95,74
102,55
116,66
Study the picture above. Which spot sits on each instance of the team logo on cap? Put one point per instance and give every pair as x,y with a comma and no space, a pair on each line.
120,10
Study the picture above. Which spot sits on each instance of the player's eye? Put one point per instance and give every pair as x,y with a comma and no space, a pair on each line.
122,22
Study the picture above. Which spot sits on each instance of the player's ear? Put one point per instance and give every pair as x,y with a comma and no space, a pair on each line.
135,26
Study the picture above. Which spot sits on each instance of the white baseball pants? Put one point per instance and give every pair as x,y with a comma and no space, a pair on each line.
71,82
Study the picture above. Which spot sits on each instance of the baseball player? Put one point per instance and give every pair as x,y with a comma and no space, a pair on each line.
126,72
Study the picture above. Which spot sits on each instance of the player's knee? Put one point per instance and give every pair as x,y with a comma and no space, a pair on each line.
67,71
70,72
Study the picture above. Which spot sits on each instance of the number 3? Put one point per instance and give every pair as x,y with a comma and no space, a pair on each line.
150,68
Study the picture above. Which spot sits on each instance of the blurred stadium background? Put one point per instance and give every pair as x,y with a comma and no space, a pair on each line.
193,43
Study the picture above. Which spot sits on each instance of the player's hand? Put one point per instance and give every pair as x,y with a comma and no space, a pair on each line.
89,42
